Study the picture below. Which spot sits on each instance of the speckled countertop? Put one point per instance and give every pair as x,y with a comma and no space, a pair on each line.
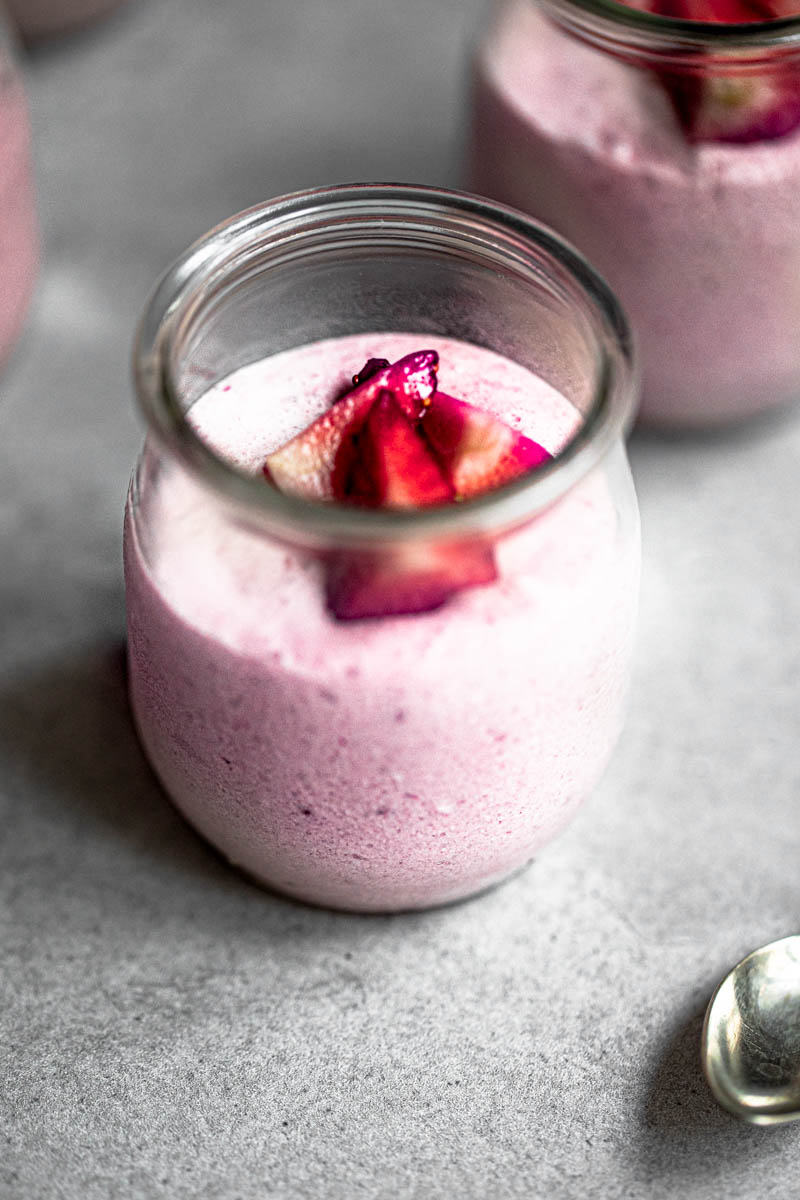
167,1030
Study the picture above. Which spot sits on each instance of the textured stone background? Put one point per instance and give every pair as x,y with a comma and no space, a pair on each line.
167,1030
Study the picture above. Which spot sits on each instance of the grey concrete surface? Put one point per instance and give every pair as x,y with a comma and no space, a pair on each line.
167,1030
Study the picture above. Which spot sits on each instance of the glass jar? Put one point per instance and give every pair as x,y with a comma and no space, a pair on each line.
48,18
18,228
401,761
668,152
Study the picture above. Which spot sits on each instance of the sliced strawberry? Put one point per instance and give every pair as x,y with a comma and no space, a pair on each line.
716,105
722,12
736,107
412,381
304,466
312,464
395,442
397,467
777,9
477,450
404,579
394,467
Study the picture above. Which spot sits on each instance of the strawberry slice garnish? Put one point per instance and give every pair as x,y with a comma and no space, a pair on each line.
715,103
734,107
395,465
477,450
394,441
722,12
312,465
411,380
406,579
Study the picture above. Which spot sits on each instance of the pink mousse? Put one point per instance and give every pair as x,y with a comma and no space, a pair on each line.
383,764
700,242
18,231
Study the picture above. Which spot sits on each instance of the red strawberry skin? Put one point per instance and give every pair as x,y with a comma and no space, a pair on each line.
402,580
397,467
371,367
453,452
724,107
396,442
477,450
736,106
413,380
721,12
311,464
725,12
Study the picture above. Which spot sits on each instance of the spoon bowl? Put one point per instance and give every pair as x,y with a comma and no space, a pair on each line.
751,1036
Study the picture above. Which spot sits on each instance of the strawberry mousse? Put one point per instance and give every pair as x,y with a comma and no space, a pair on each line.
677,177
18,231
402,725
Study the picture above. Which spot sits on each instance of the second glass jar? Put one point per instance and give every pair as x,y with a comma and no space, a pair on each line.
668,151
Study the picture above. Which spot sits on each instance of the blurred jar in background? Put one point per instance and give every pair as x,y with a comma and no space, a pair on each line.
667,150
45,18
18,227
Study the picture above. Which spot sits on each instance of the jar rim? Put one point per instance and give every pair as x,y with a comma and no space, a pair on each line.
614,23
177,298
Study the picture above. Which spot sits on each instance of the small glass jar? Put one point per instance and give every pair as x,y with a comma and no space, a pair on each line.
18,227
49,18
668,152
405,761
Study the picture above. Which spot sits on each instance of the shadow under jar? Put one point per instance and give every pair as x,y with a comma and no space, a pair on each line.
668,152
19,241
400,761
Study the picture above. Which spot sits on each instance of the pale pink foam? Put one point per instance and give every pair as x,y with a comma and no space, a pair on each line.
384,764
701,243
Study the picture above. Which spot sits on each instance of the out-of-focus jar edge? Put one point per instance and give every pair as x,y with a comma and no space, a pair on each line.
630,31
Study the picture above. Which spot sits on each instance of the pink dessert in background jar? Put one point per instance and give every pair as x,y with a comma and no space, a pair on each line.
18,228
668,151
380,706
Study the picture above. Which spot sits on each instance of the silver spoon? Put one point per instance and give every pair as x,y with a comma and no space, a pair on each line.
751,1036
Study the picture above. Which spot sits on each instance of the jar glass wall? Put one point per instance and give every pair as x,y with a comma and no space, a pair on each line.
669,153
407,760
